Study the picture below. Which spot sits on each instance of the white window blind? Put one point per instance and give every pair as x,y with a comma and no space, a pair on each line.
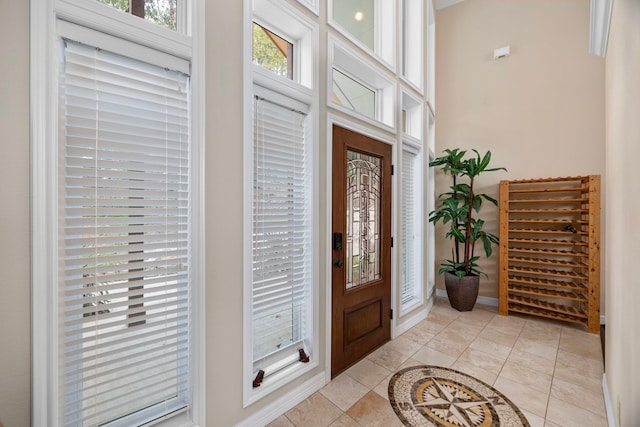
409,285
282,232
124,271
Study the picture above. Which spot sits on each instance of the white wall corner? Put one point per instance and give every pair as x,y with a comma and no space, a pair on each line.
599,26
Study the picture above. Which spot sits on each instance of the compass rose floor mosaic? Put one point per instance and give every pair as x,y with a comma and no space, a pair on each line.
433,396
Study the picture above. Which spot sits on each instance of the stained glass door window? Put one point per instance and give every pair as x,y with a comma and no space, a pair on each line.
363,219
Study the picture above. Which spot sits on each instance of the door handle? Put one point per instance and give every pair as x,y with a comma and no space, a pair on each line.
338,263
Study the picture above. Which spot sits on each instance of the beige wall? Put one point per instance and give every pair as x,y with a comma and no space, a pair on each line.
15,303
540,111
224,218
224,212
623,199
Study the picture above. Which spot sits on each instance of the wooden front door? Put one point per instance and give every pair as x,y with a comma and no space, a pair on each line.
361,247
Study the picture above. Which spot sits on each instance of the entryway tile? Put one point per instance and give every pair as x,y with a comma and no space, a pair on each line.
532,361
316,411
566,415
544,367
368,373
526,376
430,356
388,358
482,360
585,398
579,370
404,346
281,421
374,411
345,421
537,347
581,343
534,420
524,397
497,350
343,391
475,371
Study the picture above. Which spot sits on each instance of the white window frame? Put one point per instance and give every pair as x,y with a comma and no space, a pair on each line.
384,32
356,66
299,31
431,55
430,204
413,111
46,15
312,5
412,146
412,30
303,32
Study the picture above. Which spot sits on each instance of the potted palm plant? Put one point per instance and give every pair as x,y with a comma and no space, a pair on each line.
459,208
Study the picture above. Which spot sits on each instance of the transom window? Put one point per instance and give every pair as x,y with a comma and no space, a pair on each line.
162,12
357,87
272,52
350,93
371,24
358,18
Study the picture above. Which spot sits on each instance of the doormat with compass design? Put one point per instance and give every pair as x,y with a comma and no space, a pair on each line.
433,396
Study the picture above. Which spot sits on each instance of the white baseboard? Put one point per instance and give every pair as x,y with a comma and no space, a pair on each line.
272,411
481,300
608,405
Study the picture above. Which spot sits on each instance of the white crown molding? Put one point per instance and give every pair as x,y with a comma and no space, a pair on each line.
599,26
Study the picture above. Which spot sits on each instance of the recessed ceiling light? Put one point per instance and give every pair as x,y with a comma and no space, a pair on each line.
359,16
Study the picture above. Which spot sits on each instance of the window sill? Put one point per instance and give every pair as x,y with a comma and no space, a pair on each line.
274,382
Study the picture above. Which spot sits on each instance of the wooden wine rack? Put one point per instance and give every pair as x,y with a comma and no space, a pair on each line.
550,249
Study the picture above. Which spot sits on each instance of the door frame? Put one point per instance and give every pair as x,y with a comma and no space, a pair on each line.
328,253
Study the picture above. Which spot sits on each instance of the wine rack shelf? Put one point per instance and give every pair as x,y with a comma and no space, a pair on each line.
550,249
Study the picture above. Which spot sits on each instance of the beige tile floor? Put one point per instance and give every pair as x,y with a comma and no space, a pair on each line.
552,371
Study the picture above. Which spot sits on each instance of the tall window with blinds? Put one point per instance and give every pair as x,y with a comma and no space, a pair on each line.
282,235
410,292
124,235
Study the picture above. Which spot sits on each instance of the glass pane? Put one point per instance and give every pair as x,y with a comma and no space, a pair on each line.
363,218
353,94
118,4
357,17
272,52
162,12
